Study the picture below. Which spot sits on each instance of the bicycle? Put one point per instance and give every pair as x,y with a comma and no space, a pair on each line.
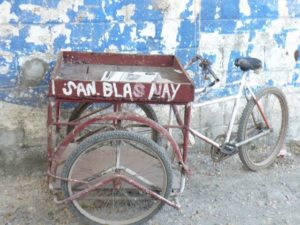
255,122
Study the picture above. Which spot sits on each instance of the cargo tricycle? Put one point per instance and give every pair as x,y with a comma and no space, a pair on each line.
112,161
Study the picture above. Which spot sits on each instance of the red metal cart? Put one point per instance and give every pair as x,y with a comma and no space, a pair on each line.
107,168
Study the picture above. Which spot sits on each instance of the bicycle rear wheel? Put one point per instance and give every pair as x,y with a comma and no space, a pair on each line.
262,152
103,156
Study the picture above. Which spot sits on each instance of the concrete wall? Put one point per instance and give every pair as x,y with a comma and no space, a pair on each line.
32,32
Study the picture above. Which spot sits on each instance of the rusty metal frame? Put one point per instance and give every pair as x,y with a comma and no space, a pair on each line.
55,157
55,154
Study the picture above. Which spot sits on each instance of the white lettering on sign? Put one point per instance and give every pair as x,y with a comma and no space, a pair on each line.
80,88
118,95
138,90
174,89
155,90
91,88
69,89
107,89
127,91
166,91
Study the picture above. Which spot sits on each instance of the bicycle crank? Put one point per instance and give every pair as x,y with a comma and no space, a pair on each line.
215,153
226,150
229,149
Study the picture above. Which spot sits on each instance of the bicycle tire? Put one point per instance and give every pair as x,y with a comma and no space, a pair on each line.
149,151
147,110
278,120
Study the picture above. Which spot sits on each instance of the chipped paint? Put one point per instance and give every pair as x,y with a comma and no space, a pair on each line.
122,27
282,8
107,17
170,27
217,15
8,56
8,31
195,10
112,48
4,69
61,30
38,35
245,8
6,14
47,14
149,30
127,12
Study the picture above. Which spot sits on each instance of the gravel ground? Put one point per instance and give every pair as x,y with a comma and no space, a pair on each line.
223,193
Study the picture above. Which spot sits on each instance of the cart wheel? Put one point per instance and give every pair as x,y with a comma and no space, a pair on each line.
93,109
101,158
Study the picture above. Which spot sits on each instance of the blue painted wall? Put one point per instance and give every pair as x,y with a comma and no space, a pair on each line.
220,30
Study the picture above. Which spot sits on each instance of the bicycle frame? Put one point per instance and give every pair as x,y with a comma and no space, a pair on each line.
237,99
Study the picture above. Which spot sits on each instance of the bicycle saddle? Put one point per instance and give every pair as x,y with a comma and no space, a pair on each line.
247,63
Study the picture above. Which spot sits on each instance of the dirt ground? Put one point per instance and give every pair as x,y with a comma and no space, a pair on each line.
223,193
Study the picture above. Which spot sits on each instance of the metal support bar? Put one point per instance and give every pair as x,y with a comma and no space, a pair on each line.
146,190
258,106
187,120
253,138
85,191
204,138
124,178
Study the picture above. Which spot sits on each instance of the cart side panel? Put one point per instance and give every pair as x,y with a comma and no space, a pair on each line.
117,91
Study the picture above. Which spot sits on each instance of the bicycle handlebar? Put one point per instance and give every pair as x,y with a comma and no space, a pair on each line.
193,60
206,67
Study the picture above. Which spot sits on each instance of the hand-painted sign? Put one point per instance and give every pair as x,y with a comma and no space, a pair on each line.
131,91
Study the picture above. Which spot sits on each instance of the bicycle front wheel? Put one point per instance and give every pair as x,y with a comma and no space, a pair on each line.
262,151
105,157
